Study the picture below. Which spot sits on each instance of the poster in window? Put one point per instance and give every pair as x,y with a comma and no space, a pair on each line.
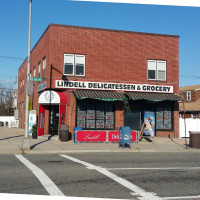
91,110
109,124
81,115
150,117
99,123
159,119
109,115
100,110
167,120
81,123
90,124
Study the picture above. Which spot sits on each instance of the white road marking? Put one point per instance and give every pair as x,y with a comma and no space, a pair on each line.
135,189
48,184
156,168
185,197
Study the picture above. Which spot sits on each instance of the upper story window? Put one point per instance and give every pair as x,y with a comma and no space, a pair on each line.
34,71
44,66
157,70
74,64
188,95
39,66
23,85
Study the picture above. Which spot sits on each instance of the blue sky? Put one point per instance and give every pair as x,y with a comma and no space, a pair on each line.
174,20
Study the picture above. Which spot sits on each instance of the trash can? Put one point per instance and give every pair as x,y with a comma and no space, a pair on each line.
194,139
75,131
125,136
34,135
64,133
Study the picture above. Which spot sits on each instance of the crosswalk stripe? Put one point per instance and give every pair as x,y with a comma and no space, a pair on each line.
137,190
48,184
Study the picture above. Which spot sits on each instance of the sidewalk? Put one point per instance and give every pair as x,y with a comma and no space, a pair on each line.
11,143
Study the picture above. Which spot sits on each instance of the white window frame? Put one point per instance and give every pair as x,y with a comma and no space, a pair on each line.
34,71
74,64
188,95
157,69
39,68
44,67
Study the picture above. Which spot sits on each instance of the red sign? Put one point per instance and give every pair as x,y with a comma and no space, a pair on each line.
91,136
113,136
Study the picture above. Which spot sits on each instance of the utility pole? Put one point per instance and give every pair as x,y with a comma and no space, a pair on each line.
26,141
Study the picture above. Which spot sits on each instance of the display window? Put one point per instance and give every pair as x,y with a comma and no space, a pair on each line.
94,114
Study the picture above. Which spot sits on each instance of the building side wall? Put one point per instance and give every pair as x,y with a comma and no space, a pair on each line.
40,51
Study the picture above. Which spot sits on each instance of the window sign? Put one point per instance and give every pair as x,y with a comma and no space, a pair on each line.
91,110
163,118
99,124
93,114
81,114
91,124
109,115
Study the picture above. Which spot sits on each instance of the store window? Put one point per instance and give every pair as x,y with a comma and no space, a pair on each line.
157,70
164,118
74,64
93,114
188,95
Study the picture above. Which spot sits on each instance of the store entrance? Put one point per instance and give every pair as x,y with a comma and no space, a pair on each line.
132,119
54,120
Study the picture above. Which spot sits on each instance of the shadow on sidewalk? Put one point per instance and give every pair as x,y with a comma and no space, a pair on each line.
7,138
183,146
33,146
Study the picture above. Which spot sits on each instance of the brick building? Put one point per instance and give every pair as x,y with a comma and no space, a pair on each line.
191,96
101,79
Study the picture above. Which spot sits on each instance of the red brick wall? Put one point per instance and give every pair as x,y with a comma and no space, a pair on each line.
110,56
38,52
114,55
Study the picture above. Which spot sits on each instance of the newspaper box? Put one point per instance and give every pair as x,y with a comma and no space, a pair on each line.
125,136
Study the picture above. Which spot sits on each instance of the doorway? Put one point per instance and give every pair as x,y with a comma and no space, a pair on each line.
54,120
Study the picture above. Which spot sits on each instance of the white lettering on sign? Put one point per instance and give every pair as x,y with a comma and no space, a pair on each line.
89,137
113,86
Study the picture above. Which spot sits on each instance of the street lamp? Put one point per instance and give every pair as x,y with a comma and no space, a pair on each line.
26,142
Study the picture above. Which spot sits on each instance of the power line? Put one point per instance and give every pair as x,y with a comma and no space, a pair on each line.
188,76
10,57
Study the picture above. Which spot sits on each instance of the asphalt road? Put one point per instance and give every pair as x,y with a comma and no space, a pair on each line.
104,175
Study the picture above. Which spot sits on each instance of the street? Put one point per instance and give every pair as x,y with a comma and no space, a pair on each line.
103,175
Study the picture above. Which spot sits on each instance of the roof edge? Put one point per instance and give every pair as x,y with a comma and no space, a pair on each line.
113,30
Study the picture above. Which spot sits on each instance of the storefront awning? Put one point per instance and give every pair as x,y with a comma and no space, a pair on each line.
153,96
100,95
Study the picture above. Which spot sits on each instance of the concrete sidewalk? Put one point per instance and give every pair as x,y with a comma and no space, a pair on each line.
11,143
